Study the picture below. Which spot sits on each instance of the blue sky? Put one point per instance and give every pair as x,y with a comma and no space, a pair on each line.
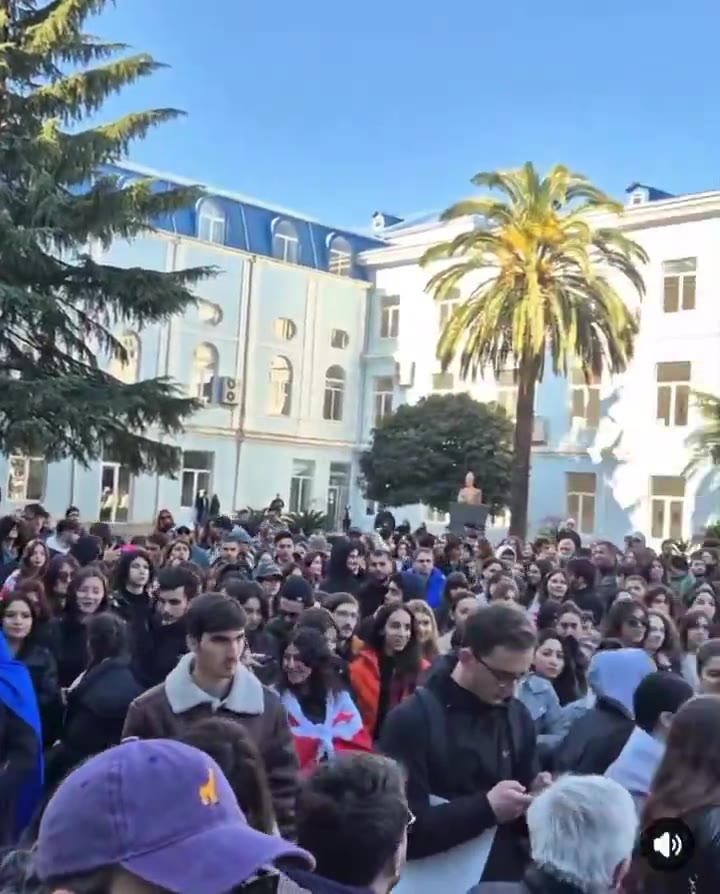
340,109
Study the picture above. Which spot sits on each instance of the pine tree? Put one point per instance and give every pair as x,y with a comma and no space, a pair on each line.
59,309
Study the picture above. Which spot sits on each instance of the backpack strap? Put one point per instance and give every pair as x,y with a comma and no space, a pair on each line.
435,717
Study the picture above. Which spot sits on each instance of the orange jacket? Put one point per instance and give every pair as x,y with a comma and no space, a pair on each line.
365,677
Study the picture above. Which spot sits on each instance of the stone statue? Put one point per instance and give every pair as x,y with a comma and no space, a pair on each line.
469,493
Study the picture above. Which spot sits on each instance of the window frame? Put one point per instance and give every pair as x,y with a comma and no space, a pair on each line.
211,212
334,405
389,317
301,495
667,501
588,394
575,489
118,469
198,384
682,279
27,461
122,371
278,387
447,308
383,398
667,389
195,471
340,259
289,240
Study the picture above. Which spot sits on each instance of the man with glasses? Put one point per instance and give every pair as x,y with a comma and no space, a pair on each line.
464,738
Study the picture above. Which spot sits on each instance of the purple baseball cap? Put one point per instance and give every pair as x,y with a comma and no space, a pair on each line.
163,811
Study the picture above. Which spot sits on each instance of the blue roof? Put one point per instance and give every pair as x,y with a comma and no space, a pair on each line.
654,195
249,223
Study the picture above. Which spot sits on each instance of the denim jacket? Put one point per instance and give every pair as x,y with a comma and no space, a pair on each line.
540,698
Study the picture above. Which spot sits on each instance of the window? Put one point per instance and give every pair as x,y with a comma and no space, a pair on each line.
384,390
338,495
127,372
679,280
667,500
436,517
284,329
339,339
209,313
390,316
26,478
301,485
447,308
285,242
340,255
443,381
204,370
585,398
197,468
334,394
281,375
115,486
507,391
211,222
580,489
673,392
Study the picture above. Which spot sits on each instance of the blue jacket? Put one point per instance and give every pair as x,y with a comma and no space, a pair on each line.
539,697
435,588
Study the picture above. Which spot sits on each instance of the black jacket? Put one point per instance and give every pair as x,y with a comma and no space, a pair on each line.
158,655
68,643
42,666
371,595
588,601
595,739
316,884
136,610
95,714
18,754
457,748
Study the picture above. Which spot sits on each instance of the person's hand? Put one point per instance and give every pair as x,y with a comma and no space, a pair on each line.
508,800
541,782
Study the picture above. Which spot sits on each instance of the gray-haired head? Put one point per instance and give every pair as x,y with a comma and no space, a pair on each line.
582,831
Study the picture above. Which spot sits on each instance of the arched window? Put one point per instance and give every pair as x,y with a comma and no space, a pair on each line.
334,394
211,221
129,371
285,241
204,370
280,397
340,256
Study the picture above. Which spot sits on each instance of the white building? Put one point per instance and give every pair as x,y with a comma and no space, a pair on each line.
611,455
310,334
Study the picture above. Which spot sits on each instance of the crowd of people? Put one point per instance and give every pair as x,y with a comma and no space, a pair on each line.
242,707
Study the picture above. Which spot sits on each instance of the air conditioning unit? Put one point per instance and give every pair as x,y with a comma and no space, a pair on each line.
405,373
229,393
539,435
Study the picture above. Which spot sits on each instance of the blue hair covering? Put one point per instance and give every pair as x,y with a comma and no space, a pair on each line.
617,673
17,694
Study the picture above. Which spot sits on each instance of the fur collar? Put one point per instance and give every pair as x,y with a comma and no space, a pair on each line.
245,697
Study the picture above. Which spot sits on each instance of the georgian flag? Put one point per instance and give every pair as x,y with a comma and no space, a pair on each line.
342,730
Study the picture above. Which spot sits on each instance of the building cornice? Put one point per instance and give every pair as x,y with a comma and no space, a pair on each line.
663,212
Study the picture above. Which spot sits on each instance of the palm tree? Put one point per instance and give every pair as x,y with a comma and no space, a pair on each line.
705,441
536,266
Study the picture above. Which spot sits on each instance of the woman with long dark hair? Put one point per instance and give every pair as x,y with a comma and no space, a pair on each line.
455,581
686,786
662,642
18,622
87,596
322,715
57,580
694,631
313,568
627,621
559,659
13,537
98,701
388,668
33,564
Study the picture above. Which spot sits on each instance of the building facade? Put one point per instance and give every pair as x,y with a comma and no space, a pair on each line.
309,335
273,350
612,454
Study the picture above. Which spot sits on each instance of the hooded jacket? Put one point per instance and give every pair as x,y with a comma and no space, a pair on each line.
596,738
636,765
339,578
166,710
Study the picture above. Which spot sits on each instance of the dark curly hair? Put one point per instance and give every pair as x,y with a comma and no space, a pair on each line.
408,663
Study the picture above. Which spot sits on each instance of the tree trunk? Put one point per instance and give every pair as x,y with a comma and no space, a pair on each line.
524,420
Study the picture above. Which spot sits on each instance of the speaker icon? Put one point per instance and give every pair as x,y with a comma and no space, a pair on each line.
667,844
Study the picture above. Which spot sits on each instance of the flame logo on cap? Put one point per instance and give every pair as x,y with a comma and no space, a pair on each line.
208,791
